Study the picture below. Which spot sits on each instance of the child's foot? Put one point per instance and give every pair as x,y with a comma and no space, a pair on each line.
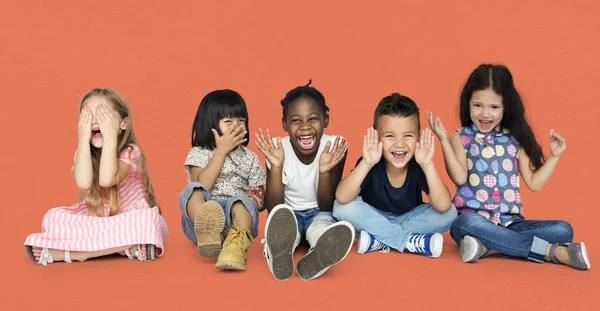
142,252
425,244
281,239
235,249
574,255
208,225
331,248
367,243
45,256
471,249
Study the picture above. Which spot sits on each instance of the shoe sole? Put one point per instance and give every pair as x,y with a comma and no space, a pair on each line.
29,252
436,245
150,252
282,230
331,248
230,265
362,241
584,254
208,225
468,249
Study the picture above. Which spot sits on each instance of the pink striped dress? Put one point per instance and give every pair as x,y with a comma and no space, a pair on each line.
68,228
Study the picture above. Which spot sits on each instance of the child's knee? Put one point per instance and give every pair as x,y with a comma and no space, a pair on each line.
467,220
564,230
447,218
346,211
243,204
193,189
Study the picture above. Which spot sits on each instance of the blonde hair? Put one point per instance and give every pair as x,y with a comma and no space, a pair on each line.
96,195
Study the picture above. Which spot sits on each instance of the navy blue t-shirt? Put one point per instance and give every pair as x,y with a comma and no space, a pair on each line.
377,191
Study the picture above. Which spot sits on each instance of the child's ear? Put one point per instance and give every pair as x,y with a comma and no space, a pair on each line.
284,125
326,121
124,123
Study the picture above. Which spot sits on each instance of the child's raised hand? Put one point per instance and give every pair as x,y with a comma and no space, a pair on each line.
437,126
108,122
257,195
231,139
425,148
558,144
372,148
274,154
84,128
330,157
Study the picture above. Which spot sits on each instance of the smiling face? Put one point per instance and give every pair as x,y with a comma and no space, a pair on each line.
305,124
486,110
399,136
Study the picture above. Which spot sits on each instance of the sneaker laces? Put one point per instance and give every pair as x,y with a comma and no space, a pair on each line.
379,246
235,236
416,243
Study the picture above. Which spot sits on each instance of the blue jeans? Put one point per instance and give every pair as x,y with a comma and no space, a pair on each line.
522,238
307,218
188,224
391,229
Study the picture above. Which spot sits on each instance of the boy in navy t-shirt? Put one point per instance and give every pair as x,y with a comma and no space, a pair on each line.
382,196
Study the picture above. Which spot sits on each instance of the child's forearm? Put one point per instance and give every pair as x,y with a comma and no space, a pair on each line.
274,192
83,171
439,195
109,167
455,170
325,193
209,174
349,187
541,176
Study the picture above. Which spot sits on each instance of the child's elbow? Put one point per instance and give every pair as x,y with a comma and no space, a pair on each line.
460,180
445,207
535,188
106,182
340,197
83,185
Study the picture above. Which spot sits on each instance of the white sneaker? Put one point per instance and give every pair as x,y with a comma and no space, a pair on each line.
367,243
281,239
425,244
331,248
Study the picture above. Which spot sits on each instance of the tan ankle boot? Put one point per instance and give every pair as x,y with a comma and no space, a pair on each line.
235,249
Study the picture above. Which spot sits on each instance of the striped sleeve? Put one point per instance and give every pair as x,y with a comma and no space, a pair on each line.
132,157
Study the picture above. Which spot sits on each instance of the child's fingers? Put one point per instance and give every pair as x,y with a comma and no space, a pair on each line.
238,130
429,118
438,123
216,134
429,138
336,143
279,144
327,146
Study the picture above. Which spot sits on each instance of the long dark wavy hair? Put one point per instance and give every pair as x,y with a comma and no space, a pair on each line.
499,79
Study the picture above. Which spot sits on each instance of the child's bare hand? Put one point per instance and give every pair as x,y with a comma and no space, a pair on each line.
85,125
437,126
274,154
257,195
372,148
108,122
425,148
558,144
332,156
231,139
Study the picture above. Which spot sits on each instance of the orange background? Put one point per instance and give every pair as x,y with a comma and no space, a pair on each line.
164,57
